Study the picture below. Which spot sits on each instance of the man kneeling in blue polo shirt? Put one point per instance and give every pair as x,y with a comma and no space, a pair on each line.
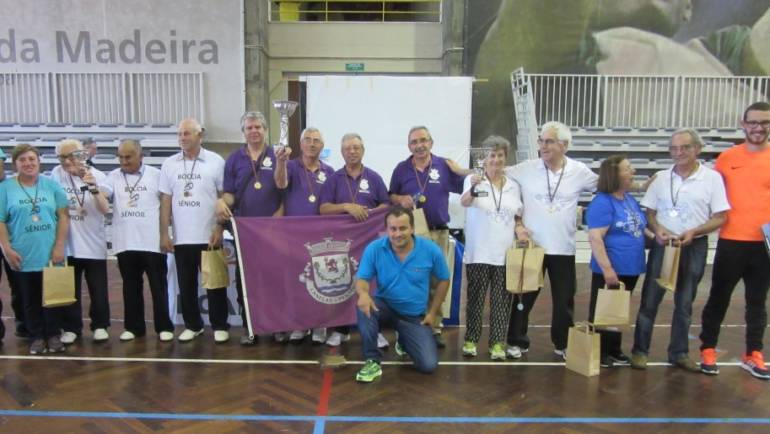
403,266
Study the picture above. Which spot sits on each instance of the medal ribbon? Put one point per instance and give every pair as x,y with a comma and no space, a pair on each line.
34,209
551,197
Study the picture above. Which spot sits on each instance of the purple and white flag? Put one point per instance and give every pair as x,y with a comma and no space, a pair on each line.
299,272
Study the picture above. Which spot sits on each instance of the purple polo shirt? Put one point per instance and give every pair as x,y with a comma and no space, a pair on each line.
438,181
370,186
239,181
303,183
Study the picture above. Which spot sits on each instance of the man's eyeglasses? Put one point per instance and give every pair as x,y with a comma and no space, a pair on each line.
421,141
686,147
754,124
549,142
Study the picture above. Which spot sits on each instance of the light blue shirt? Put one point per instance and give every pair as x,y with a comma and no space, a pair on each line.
33,240
403,285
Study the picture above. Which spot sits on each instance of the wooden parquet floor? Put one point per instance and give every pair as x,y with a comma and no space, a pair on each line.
147,386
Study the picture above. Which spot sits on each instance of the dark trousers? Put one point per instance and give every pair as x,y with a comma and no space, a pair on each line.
42,322
692,262
16,304
610,339
736,260
188,264
133,265
562,275
95,271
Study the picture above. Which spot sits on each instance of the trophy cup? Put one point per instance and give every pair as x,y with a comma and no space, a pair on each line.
478,155
80,157
285,109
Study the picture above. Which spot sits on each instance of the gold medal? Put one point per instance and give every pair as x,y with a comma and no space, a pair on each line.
35,218
311,198
422,198
257,185
131,204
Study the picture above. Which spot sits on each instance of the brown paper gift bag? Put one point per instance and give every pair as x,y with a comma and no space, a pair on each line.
613,306
214,269
524,268
669,269
58,285
583,351
420,223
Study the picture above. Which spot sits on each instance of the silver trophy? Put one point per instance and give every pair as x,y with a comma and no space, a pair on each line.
80,157
285,108
478,156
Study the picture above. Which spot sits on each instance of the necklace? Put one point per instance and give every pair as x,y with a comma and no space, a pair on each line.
674,212
551,196
188,185
358,184
81,200
498,201
133,197
312,197
35,210
420,196
255,170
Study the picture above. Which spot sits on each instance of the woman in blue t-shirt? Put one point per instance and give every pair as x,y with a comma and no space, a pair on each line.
33,231
616,226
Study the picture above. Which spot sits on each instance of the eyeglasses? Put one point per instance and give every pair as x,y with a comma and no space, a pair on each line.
549,142
754,124
312,140
686,147
421,140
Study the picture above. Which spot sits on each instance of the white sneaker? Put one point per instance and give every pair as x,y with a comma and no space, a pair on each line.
127,336
280,336
337,338
381,341
319,335
166,336
68,338
101,335
513,352
221,336
187,335
561,353
298,335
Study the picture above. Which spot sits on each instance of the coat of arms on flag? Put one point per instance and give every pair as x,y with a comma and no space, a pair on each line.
328,277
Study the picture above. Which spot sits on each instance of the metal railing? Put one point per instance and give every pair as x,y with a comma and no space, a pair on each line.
641,101
356,10
101,98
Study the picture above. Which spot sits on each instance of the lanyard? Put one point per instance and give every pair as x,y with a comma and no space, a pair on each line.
358,183
130,188
35,209
551,196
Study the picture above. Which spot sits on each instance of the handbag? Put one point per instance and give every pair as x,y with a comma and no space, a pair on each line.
583,349
613,306
524,268
58,285
420,223
214,272
669,269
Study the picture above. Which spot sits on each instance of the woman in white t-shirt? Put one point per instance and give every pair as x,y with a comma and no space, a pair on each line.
492,201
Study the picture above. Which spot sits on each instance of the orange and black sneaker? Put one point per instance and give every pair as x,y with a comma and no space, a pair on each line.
708,361
755,364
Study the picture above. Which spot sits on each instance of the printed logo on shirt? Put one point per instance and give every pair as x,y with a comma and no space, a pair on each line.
29,201
188,176
137,188
364,186
37,228
184,203
434,176
321,178
267,163
132,213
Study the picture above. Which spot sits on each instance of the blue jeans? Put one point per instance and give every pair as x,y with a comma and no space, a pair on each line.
416,339
692,262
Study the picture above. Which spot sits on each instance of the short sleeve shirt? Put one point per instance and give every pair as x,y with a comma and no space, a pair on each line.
681,205
136,210
747,182
403,285
552,217
367,190
240,182
32,240
624,240
86,235
194,192
434,183
304,184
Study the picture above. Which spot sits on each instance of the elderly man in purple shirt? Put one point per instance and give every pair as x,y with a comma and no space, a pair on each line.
301,180
424,181
249,187
355,190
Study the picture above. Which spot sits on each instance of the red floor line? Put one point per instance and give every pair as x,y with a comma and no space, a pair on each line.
326,389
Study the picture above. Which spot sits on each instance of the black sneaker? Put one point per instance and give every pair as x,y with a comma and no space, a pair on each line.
620,359
55,345
606,362
37,347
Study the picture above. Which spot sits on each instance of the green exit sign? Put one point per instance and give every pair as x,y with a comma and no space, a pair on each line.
354,67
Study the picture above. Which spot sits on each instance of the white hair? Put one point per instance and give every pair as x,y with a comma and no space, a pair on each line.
562,131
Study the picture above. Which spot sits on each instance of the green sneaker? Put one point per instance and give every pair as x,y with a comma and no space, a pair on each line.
469,349
497,352
370,372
